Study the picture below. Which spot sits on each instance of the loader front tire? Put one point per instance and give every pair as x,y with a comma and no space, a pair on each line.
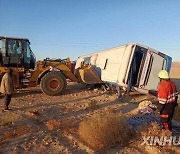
53,83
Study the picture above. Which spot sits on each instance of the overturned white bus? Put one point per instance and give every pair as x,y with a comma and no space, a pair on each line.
132,64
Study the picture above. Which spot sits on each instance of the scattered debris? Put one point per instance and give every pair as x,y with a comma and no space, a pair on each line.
146,107
149,118
34,113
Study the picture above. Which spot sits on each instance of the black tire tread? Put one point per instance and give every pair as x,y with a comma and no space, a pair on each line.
44,87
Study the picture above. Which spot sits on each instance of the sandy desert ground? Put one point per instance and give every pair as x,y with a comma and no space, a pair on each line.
39,123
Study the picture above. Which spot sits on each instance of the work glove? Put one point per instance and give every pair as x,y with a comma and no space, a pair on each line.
152,106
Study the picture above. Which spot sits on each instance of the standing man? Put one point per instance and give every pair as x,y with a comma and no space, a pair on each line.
167,97
7,87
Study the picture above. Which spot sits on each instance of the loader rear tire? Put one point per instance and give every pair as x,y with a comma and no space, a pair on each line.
53,83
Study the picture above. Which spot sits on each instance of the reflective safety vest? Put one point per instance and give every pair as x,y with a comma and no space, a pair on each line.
167,92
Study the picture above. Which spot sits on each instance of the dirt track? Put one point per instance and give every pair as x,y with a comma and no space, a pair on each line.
42,124
25,128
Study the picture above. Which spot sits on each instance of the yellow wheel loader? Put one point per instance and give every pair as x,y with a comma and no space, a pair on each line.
50,74
16,54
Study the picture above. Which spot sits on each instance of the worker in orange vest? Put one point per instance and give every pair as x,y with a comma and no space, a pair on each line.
167,97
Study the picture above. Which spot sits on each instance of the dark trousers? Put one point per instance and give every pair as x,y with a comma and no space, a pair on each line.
167,115
166,121
7,100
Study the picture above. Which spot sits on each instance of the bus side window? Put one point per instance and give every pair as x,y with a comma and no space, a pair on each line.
87,60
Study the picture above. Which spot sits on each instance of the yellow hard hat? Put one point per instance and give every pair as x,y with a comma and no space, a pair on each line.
163,74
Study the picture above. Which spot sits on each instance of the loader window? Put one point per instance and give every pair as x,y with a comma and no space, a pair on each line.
0,46
28,53
14,47
0,53
10,47
29,58
3,47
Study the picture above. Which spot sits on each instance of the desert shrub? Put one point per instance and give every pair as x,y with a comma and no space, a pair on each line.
9,134
67,123
7,120
103,131
153,129
53,124
93,105
22,130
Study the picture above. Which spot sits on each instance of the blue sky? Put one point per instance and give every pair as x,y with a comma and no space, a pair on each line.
71,28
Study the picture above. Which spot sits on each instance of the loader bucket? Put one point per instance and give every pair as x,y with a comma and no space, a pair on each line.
89,76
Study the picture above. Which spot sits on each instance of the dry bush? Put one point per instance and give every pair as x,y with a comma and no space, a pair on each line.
67,123
103,131
152,129
93,105
23,130
64,124
33,113
7,121
19,131
53,124
9,135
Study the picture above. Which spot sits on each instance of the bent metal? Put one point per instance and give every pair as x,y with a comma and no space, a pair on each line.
162,141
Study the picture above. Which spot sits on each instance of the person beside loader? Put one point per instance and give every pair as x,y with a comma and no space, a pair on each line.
167,97
7,88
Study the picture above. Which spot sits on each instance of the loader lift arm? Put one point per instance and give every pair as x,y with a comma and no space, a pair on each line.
64,65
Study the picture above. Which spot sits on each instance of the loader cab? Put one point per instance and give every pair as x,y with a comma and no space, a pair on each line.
16,52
